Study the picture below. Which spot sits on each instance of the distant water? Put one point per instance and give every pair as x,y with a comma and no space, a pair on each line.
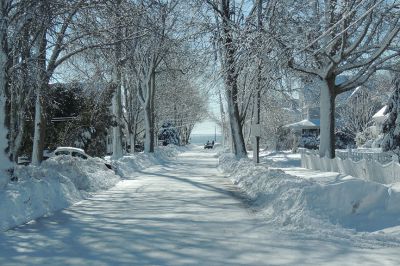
202,139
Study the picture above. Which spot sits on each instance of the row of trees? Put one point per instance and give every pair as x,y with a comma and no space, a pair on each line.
336,45
139,51
149,53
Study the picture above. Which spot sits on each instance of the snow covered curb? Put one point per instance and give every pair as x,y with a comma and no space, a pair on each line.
311,205
63,180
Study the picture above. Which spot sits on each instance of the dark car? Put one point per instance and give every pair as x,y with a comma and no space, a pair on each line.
208,145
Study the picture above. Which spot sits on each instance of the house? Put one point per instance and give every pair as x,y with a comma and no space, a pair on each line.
307,129
308,103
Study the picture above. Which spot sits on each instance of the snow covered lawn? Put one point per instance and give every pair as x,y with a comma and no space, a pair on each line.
327,205
64,180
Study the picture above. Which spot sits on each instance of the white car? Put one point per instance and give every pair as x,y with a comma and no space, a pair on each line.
75,152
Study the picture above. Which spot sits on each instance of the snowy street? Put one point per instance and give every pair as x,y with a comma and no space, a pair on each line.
182,213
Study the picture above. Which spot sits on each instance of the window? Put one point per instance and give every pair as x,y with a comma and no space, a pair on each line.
62,153
80,155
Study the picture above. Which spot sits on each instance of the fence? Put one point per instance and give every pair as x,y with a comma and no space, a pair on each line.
373,166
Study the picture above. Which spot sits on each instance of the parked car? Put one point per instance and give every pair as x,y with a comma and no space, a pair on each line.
209,145
71,151
75,152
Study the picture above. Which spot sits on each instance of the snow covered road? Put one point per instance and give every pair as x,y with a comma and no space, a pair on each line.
181,213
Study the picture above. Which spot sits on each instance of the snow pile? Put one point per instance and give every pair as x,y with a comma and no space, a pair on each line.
164,153
88,175
312,205
129,164
63,180
280,159
31,198
56,184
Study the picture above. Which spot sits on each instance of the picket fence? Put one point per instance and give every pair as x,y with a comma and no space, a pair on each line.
379,167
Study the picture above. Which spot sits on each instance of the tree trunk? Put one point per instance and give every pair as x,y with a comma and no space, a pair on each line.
21,95
117,131
149,132
256,149
15,135
6,163
149,114
41,83
117,145
152,111
236,127
231,83
134,130
327,118
222,112
37,150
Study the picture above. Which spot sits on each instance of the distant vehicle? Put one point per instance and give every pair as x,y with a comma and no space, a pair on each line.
208,145
75,152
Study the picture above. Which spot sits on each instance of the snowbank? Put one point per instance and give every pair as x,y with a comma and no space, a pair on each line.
56,184
63,180
345,203
129,164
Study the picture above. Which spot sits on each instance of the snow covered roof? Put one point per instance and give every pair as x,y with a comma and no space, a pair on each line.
70,149
356,90
304,124
380,117
380,113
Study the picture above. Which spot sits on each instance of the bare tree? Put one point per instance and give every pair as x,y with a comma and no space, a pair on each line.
225,19
326,39
4,128
149,52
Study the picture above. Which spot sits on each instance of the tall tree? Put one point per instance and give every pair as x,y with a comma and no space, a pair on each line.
330,38
225,15
117,83
150,51
4,127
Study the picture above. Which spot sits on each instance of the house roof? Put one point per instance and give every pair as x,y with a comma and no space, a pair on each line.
355,92
380,113
380,116
304,124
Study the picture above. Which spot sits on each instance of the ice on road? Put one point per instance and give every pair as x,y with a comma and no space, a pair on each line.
182,213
